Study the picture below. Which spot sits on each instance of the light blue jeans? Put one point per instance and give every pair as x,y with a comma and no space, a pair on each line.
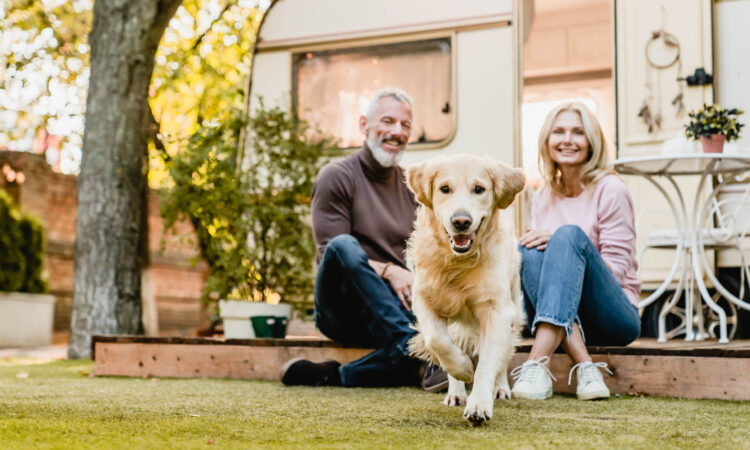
569,282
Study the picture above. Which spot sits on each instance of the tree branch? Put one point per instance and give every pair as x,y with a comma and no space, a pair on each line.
203,35
152,132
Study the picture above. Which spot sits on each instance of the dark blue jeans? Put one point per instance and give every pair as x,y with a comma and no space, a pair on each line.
355,307
569,281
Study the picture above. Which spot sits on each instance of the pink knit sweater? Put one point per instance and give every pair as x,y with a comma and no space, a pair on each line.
605,213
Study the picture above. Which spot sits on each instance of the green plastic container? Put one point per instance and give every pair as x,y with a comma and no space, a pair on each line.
269,326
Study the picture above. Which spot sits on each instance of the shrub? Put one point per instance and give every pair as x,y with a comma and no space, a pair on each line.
32,235
21,250
251,220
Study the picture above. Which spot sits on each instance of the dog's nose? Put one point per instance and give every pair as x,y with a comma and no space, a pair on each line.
461,222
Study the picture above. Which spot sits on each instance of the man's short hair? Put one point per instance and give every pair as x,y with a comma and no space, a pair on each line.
396,93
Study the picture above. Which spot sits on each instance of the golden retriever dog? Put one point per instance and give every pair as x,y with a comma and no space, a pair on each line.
466,291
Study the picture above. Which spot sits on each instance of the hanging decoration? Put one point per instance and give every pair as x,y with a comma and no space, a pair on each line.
650,111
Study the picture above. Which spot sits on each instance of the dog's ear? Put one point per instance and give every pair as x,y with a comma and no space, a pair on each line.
419,179
507,183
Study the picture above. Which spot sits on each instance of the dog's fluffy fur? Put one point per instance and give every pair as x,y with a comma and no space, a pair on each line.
466,291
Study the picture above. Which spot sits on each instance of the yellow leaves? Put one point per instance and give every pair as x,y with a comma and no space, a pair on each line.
203,65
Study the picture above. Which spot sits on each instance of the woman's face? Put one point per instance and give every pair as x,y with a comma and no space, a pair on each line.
567,144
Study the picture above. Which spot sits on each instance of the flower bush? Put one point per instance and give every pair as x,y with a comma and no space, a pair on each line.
713,119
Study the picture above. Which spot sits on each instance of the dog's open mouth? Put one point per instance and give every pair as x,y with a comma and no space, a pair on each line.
461,243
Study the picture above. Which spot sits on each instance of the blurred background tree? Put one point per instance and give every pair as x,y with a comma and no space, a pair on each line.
196,93
201,69
44,55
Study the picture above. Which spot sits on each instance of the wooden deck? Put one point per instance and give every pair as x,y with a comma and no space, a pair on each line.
675,369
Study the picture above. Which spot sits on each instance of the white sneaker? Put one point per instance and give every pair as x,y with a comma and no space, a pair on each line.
590,382
533,380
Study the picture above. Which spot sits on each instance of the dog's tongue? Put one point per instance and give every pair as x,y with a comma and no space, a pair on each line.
462,240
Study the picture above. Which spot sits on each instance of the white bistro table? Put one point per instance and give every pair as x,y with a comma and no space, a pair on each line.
689,246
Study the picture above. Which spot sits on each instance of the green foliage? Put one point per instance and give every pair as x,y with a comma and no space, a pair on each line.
32,238
713,119
21,250
201,69
12,262
45,59
251,220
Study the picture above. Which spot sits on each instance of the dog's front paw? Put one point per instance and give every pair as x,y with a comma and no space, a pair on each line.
454,399
478,410
462,370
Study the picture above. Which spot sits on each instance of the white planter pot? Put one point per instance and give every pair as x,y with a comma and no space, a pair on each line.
236,316
26,319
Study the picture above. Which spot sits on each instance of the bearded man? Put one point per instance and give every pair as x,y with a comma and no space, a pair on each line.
362,214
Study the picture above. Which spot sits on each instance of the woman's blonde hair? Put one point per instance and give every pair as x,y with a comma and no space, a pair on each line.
597,162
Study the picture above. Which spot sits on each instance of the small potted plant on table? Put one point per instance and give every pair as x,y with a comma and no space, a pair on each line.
713,125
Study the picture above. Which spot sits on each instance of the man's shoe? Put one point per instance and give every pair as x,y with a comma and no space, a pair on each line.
533,380
590,382
434,378
301,372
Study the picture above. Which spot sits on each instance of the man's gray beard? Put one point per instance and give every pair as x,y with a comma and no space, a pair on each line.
383,158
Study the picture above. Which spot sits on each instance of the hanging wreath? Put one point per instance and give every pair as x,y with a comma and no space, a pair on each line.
650,111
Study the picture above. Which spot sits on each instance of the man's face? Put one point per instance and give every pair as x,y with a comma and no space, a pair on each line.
387,131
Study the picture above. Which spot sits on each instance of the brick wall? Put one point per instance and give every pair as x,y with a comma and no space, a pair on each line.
51,197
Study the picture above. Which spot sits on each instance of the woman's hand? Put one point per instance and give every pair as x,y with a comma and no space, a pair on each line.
536,238
401,281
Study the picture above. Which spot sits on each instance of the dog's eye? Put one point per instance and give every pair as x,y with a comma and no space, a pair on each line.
445,189
478,189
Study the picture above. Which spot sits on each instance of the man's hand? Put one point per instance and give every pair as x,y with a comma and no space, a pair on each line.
401,281
536,238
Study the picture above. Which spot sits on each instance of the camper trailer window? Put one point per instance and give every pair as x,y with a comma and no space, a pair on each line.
331,88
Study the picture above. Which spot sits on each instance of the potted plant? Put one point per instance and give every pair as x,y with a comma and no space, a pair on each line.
713,125
26,311
250,214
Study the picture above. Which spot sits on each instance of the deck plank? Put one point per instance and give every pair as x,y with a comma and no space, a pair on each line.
675,369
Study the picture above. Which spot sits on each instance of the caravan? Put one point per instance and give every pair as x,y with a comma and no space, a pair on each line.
485,73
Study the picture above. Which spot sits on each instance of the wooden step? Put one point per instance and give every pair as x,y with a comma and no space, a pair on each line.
718,372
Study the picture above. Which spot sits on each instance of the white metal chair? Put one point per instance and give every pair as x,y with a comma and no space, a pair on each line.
725,225
725,219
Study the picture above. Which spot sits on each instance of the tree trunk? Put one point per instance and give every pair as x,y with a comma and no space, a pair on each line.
114,169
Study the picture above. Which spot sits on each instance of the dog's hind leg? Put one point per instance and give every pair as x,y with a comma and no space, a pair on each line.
456,395
502,388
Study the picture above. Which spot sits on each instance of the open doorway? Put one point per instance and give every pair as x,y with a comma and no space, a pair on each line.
569,56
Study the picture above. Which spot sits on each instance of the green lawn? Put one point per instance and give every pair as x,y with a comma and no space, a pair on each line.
56,405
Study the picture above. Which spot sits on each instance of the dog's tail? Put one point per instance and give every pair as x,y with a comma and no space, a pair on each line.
419,350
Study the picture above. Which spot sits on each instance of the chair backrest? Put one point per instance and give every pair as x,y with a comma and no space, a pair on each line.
731,209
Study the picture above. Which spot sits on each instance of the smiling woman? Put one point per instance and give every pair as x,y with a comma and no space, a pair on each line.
578,270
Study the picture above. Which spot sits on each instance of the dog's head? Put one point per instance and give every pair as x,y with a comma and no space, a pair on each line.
463,191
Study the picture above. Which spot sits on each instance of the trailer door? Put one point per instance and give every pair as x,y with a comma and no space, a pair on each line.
657,42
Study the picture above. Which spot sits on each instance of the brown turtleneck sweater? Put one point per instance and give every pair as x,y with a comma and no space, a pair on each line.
358,196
